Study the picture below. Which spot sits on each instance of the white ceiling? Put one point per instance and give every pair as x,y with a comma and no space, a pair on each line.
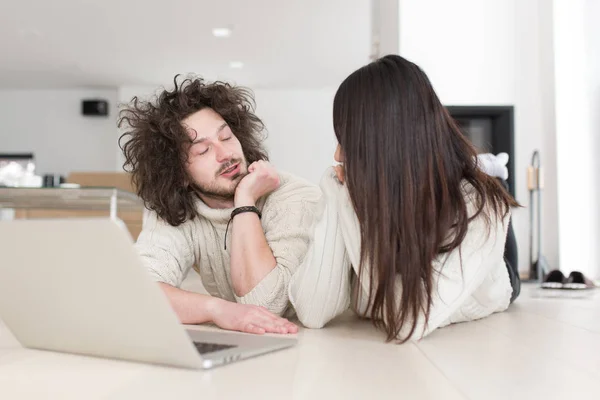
282,43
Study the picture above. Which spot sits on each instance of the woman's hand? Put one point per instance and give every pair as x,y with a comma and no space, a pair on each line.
340,173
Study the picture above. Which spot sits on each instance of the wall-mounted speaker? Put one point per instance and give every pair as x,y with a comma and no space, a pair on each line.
95,108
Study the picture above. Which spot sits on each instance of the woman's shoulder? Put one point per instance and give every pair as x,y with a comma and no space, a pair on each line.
474,200
487,225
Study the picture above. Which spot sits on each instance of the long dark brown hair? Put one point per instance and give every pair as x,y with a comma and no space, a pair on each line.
156,144
406,165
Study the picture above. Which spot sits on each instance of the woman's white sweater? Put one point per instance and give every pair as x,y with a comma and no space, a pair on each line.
470,282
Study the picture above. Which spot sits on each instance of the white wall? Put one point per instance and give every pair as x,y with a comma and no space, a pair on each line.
385,30
577,60
49,123
494,52
592,35
300,129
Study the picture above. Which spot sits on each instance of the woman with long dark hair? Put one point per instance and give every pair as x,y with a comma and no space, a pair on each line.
412,232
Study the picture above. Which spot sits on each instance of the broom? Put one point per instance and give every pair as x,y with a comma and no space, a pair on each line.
535,183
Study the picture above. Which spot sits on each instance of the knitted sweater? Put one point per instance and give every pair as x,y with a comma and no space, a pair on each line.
169,252
474,288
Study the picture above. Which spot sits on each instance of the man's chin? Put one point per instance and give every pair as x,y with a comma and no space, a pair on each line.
231,183
238,177
220,195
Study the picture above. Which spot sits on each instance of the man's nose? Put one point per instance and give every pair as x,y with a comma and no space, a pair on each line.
222,153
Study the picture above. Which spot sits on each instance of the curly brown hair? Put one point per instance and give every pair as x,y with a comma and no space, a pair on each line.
156,144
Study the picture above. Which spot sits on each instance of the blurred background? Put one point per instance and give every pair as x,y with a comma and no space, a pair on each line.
519,75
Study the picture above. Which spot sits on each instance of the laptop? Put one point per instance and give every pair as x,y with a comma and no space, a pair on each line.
78,286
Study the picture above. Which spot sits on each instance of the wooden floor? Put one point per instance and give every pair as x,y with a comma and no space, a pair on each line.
546,346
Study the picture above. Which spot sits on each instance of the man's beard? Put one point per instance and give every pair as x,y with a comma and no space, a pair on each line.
215,192
219,193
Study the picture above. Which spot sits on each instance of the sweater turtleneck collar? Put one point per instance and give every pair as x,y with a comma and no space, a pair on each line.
219,216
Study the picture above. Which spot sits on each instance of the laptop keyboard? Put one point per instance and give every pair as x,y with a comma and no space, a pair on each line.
205,348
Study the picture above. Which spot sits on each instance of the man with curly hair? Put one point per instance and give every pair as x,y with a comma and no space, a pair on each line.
216,205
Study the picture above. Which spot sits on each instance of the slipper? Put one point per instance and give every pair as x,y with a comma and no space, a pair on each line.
578,281
554,280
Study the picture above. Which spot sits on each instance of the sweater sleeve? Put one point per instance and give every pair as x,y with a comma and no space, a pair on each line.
287,223
320,288
165,250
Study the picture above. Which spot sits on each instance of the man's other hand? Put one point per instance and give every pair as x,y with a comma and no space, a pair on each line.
249,319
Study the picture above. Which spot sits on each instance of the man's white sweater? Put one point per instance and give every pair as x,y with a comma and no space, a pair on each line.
288,213
471,282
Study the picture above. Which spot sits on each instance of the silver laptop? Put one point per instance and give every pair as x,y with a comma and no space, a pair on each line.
78,286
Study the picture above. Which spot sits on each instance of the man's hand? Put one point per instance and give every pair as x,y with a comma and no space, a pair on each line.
261,180
196,308
249,319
